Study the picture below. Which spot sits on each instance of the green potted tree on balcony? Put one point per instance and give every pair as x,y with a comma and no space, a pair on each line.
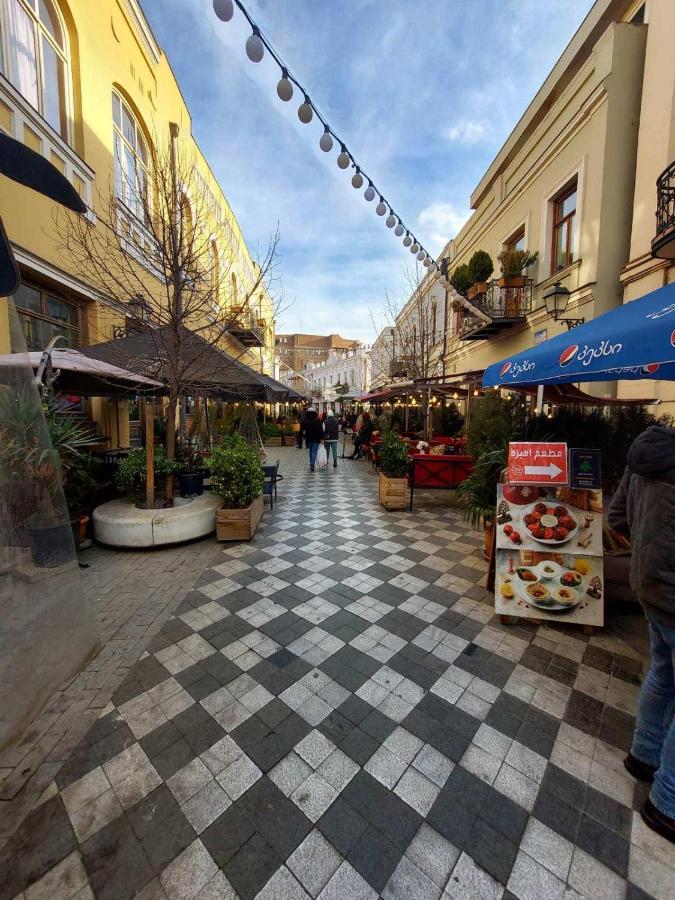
461,280
513,263
393,486
237,476
480,269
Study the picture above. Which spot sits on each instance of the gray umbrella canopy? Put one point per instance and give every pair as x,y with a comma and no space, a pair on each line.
168,354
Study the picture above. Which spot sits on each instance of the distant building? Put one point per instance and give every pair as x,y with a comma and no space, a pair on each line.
381,358
343,373
296,350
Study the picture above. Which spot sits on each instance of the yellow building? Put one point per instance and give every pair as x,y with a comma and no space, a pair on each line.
574,182
86,85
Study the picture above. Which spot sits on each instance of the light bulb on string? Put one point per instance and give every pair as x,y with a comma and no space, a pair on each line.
421,255
224,9
343,159
369,192
398,231
326,141
391,220
255,49
428,262
415,248
381,207
407,240
284,87
357,178
305,111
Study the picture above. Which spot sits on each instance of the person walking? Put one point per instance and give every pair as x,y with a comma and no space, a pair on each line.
644,509
331,431
362,437
312,430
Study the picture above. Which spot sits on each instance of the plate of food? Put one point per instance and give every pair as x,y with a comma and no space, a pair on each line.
548,569
550,523
545,593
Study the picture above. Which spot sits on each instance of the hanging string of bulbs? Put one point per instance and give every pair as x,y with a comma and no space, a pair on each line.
256,45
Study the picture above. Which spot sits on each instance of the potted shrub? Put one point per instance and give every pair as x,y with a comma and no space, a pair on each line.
190,468
477,494
131,475
80,489
461,280
513,263
237,476
270,434
393,483
480,269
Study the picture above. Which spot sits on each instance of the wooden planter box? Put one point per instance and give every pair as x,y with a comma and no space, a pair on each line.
513,281
477,290
273,441
239,524
393,492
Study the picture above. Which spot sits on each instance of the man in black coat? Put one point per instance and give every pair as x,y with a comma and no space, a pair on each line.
312,431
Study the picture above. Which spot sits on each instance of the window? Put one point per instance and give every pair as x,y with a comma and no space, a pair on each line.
562,237
36,57
131,159
434,312
214,264
516,241
43,315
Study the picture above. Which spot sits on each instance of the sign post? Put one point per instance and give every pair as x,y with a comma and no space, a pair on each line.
585,469
537,462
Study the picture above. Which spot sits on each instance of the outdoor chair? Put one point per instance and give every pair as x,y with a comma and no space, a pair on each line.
272,477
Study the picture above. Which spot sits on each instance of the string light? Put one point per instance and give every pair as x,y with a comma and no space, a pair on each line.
256,45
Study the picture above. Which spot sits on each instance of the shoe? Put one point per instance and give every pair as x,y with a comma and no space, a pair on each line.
640,770
335,464
658,821
311,469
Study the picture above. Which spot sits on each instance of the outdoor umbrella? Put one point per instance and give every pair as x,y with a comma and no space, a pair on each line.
635,341
201,367
77,374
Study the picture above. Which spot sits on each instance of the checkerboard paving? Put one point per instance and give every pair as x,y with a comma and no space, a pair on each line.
335,712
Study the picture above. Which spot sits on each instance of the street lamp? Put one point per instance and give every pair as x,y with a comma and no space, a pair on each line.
139,308
556,299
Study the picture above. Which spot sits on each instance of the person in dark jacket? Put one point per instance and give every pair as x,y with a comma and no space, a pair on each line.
363,436
644,509
312,431
331,432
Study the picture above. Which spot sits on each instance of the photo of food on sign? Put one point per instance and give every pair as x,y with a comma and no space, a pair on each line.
563,518
550,585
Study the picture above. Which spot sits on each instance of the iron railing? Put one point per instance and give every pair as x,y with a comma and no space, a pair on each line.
503,304
247,328
663,244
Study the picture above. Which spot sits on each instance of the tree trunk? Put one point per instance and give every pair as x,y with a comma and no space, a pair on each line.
170,446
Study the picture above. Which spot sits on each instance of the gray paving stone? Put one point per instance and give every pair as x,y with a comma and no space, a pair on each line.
314,862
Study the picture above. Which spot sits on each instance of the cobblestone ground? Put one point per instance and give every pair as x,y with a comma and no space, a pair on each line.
333,711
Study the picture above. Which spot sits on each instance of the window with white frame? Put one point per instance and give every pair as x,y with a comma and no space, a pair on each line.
132,159
564,214
34,57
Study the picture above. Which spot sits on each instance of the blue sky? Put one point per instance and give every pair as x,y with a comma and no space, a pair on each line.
424,94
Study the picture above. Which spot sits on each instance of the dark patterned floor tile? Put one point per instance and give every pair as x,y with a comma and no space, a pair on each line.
117,866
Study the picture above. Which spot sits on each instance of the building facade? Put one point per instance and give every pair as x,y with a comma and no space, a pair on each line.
562,186
344,372
381,356
87,86
296,350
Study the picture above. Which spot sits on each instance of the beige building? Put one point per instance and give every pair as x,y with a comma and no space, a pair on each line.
563,186
296,350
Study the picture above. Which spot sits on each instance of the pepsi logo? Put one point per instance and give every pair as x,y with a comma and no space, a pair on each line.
672,338
505,369
568,355
651,368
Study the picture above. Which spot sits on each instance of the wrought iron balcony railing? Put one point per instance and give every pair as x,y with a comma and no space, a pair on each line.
398,368
247,328
506,302
663,244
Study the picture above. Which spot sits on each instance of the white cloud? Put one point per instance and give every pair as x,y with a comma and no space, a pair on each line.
442,221
467,131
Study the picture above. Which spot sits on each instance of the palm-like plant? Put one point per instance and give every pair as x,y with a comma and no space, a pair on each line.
478,493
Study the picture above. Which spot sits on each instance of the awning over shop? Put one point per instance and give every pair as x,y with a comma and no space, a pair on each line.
202,368
570,394
437,390
75,373
633,342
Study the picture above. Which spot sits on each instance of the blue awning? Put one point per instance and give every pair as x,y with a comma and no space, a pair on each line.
633,342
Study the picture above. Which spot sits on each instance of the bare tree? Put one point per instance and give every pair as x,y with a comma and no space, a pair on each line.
163,259
415,349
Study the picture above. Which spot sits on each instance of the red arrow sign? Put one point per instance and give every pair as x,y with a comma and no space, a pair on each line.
538,462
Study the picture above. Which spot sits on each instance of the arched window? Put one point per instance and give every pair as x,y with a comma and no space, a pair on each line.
214,266
235,291
131,159
37,57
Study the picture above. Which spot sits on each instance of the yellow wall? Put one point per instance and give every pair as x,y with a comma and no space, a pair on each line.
110,45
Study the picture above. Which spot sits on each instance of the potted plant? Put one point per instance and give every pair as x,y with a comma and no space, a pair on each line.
477,494
393,483
270,434
480,269
80,490
461,280
513,263
190,468
237,476
131,474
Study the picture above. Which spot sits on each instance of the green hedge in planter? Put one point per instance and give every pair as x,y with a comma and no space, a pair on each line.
130,478
393,456
236,472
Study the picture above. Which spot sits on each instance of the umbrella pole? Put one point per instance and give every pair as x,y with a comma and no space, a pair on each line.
540,399
149,456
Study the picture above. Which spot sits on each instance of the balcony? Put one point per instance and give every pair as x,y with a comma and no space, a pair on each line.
248,328
663,245
504,305
398,368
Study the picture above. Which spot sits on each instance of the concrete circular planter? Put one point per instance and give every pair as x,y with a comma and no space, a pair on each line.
120,523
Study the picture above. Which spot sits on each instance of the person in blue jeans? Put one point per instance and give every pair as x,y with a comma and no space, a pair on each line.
644,508
312,431
331,431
